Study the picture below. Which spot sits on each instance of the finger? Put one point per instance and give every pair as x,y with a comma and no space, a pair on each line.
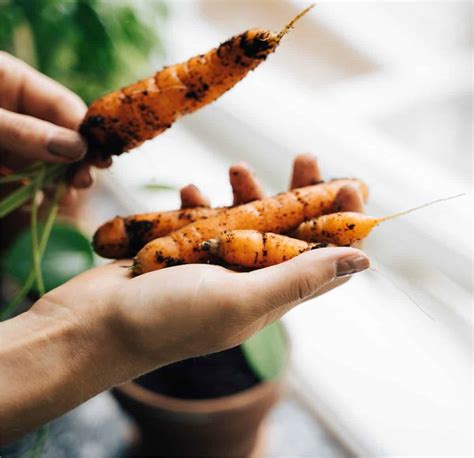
348,199
245,186
191,197
35,139
69,198
288,284
102,163
82,177
305,171
25,90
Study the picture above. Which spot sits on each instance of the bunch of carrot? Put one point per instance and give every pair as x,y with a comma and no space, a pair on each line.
255,233
251,233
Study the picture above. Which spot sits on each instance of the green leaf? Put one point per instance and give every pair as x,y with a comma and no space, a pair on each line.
67,254
90,46
159,187
266,352
10,19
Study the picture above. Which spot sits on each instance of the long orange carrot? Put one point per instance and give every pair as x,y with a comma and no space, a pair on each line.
122,237
250,249
122,120
278,214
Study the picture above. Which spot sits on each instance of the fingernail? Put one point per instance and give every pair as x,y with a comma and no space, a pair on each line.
351,265
67,144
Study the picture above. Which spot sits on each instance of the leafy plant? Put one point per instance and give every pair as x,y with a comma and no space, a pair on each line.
266,352
90,46
67,254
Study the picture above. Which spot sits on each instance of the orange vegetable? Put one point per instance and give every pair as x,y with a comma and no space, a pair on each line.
123,237
345,228
278,214
251,249
123,119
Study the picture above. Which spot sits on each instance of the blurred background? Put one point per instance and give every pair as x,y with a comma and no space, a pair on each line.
378,90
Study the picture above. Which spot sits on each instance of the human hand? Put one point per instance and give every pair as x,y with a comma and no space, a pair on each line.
39,120
104,328
184,311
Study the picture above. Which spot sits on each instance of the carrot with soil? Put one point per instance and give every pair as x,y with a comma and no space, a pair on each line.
346,228
249,249
278,214
122,237
123,119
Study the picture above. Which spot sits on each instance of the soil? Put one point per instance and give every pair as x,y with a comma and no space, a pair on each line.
205,377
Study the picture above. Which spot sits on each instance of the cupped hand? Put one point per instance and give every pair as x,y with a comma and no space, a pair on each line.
184,311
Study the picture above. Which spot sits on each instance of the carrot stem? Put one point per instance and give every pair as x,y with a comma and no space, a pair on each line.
48,225
26,192
34,232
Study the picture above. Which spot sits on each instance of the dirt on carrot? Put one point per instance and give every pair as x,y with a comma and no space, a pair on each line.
346,228
279,214
123,119
249,249
123,237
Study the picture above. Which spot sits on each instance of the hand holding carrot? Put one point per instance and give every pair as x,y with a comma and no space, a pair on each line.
39,119
106,328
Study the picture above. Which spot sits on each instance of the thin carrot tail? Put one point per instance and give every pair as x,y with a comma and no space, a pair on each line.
290,24
396,215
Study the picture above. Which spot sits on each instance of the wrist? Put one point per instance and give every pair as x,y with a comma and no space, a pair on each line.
50,362
90,335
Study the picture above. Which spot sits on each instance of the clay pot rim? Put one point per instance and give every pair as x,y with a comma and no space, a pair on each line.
215,405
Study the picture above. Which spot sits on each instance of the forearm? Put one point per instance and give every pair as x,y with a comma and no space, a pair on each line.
50,362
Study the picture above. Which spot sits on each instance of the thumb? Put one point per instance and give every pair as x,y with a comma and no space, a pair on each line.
35,139
303,277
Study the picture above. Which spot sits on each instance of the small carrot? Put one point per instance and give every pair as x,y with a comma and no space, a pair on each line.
251,249
122,120
122,237
278,214
346,228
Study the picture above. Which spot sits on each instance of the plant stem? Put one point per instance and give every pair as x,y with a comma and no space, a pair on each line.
48,225
16,199
38,184
26,192
53,211
14,177
23,174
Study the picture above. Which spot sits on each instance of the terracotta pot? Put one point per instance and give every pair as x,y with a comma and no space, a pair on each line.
226,426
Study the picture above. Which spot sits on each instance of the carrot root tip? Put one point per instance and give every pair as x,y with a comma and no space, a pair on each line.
290,24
